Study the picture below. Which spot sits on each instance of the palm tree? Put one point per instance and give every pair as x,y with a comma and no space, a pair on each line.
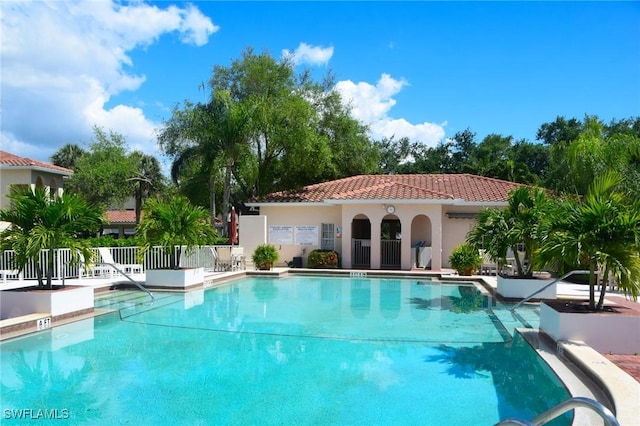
215,136
499,230
40,221
68,156
604,229
147,180
176,225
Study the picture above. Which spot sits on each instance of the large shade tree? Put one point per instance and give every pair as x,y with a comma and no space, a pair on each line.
102,174
265,129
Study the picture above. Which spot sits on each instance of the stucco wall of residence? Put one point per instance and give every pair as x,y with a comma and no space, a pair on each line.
300,215
23,176
10,177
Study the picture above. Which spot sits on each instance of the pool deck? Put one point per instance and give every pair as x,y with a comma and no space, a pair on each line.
620,374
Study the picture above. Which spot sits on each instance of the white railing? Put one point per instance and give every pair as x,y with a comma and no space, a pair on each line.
155,258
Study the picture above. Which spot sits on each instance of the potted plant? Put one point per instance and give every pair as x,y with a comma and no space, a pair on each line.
499,231
465,259
41,224
265,256
177,227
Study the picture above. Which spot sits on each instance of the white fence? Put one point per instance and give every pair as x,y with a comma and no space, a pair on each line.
155,258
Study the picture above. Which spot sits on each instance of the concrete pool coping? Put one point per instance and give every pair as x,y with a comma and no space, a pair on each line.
584,371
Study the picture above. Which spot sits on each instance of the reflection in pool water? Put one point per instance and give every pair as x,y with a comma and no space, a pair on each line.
280,351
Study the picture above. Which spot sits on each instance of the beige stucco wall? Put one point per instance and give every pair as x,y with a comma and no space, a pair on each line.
455,230
426,222
10,177
294,216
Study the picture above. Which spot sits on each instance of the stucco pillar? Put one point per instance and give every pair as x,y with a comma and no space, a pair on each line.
376,227
346,241
436,242
406,262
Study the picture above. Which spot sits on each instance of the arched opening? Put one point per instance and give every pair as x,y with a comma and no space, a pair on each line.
390,242
421,241
361,242
39,182
53,188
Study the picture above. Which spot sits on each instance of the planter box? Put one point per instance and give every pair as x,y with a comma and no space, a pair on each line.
175,278
517,288
59,302
617,332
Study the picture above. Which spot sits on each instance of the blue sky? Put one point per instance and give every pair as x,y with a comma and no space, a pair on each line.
424,70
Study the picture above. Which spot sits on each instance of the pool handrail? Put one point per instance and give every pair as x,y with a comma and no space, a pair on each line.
558,410
526,299
136,283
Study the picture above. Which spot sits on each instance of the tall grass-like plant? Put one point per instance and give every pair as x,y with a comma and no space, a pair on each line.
42,221
174,224
604,228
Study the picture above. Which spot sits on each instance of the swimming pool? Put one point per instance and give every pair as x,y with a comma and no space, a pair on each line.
295,350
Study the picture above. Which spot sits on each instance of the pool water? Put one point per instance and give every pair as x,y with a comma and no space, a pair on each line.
298,350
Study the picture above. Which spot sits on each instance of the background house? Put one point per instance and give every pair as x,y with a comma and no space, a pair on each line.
15,170
375,221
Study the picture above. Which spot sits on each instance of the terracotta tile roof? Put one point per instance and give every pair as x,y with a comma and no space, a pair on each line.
121,216
9,159
466,187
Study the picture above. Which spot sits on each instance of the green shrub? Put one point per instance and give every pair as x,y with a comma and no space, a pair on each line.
465,259
323,259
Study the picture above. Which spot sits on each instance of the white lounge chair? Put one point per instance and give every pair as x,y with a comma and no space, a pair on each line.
92,269
225,261
237,258
5,273
489,266
214,258
107,259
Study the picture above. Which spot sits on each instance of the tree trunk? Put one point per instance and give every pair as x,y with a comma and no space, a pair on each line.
212,199
592,284
138,203
50,263
226,194
604,282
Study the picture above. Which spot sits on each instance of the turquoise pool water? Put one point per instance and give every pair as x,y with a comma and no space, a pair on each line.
298,350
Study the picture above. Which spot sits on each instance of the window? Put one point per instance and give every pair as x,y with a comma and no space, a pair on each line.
328,240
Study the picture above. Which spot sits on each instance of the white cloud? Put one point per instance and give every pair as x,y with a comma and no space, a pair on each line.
371,104
308,54
63,61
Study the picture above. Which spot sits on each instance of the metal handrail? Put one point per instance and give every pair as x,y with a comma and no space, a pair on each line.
570,404
136,283
526,299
